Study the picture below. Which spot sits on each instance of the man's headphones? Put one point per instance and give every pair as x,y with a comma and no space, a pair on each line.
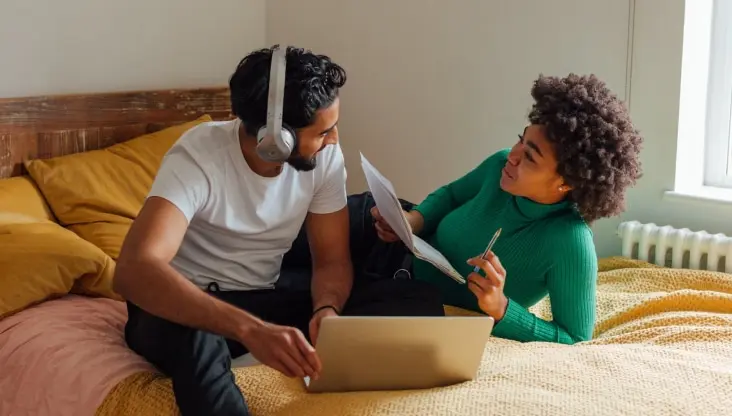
276,141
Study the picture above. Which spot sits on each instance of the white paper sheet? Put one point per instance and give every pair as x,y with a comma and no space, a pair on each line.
426,252
388,203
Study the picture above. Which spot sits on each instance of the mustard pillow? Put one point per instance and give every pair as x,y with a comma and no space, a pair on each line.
42,260
9,217
99,193
108,236
20,195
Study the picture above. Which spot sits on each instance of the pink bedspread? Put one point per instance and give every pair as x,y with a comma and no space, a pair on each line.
62,357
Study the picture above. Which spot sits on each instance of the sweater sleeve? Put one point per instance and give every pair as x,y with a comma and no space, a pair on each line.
571,284
448,197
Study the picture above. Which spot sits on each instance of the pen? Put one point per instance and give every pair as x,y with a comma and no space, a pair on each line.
488,248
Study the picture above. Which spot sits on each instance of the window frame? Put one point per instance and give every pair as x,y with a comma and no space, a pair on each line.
718,129
698,159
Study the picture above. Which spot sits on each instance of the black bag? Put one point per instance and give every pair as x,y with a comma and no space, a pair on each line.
372,258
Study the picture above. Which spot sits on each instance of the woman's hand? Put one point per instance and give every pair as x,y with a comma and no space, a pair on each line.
384,230
489,289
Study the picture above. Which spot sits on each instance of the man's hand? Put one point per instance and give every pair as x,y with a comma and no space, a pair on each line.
283,348
315,322
489,289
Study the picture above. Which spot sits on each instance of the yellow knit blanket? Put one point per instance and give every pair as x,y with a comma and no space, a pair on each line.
662,346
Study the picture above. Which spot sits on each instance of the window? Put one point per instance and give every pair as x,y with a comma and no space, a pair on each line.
704,145
718,152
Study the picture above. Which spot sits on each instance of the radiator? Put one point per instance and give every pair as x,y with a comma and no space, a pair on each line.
674,247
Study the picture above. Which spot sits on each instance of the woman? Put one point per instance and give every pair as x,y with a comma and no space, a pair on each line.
570,166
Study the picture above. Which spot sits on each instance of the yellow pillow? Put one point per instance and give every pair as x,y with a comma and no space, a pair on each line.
108,235
42,260
20,195
99,193
7,218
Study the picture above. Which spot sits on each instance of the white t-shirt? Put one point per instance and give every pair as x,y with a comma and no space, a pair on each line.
241,224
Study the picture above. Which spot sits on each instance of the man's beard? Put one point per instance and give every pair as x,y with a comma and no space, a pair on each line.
300,163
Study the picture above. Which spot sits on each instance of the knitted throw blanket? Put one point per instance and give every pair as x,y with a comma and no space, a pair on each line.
662,346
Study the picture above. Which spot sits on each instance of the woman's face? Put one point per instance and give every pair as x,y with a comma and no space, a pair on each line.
531,169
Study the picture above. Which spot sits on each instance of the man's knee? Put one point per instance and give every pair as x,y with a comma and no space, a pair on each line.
150,336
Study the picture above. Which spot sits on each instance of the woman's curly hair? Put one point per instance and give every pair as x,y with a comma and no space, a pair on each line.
594,139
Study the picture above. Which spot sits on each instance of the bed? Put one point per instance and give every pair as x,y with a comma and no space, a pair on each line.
73,173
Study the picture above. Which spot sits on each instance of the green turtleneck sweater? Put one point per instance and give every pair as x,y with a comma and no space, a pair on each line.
545,249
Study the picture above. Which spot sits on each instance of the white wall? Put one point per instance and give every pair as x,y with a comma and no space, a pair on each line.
436,86
70,46
460,72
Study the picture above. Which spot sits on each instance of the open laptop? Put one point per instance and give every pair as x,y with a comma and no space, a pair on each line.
367,353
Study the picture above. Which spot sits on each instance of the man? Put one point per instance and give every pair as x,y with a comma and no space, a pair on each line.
199,265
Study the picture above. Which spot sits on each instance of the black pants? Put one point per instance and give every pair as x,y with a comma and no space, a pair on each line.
199,362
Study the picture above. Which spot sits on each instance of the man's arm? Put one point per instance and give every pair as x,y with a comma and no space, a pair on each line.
332,268
328,234
145,277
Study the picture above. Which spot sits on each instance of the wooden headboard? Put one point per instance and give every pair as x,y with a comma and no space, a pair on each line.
50,126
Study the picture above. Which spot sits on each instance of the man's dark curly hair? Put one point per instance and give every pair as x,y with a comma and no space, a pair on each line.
312,82
595,141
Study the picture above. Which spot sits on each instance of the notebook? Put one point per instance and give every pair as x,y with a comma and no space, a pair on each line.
388,204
